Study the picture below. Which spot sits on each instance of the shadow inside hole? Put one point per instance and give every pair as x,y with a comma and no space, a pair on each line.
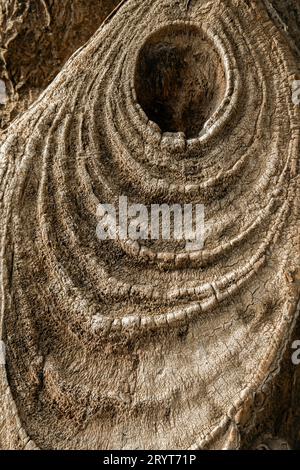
179,81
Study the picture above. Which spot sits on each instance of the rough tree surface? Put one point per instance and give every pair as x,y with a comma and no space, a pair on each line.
36,38
144,345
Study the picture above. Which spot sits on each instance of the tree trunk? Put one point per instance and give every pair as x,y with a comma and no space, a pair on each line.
118,343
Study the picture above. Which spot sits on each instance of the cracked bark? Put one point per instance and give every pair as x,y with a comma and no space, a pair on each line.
36,39
117,379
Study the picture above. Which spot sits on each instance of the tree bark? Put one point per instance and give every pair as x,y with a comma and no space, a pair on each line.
36,39
145,344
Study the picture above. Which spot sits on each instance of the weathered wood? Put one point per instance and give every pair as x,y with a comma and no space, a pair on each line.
147,345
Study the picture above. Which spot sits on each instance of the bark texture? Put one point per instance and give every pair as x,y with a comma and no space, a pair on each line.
145,345
36,39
